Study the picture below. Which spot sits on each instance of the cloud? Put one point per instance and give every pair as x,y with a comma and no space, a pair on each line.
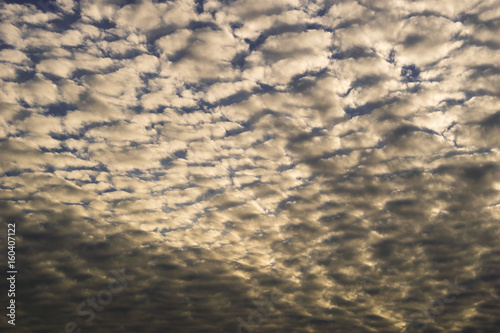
341,155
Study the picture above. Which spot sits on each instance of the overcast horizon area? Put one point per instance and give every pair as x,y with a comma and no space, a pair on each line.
251,166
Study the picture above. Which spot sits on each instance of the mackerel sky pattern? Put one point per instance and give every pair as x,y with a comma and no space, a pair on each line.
255,165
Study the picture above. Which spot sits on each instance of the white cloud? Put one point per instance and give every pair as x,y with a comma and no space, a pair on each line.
174,42
207,57
144,15
11,35
38,91
282,57
13,56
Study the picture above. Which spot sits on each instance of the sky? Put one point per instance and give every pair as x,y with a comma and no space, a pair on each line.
251,166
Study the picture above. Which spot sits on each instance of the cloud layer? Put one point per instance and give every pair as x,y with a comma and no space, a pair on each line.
340,154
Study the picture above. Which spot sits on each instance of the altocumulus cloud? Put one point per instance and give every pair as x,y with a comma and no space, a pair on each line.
213,147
